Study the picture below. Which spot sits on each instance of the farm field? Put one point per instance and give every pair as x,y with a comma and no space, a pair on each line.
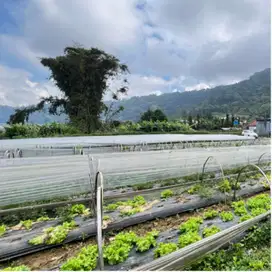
154,205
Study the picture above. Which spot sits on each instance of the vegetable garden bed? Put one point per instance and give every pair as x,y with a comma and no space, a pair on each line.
127,250
15,243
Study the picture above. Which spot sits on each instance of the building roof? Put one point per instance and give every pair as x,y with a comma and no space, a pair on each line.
253,124
263,119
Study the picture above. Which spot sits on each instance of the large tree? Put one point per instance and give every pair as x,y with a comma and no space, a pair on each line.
82,75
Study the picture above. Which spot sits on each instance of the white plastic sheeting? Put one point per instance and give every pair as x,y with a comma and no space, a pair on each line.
120,139
29,179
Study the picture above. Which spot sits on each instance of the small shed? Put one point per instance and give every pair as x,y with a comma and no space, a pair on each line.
263,126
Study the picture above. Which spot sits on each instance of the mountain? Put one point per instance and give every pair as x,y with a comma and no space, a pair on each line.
250,97
35,118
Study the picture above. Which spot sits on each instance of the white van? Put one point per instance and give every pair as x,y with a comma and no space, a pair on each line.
250,133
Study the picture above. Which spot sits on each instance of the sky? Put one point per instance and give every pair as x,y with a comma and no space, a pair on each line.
168,45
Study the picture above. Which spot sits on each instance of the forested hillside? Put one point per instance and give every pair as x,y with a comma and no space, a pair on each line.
250,97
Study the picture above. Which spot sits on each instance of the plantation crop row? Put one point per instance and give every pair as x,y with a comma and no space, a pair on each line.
131,248
119,215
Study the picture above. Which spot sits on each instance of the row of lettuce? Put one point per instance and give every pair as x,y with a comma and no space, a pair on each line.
118,249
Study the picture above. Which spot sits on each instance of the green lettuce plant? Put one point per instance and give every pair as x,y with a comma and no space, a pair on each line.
226,216
210,231
164,249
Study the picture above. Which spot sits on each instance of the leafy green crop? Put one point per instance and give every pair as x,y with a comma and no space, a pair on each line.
245,218
224,186
226,216
17,268
135,204
209,214
106,217
210,231
130,212
191,225
111,207
194,189
261,201
27,224
252,253
166,194
257,211
53,235
126,237
239,207
144,243
86,260
137,201
43,218
3,229
164,249
78,209
188,238
116,252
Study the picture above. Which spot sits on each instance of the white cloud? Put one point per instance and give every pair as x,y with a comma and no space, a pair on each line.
194,43
197,87
17,89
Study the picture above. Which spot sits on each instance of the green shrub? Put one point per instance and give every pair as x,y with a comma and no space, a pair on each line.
191,225
164,249
3,229
210,231
210,214
226,216
256,265
166,194
85,260
188,238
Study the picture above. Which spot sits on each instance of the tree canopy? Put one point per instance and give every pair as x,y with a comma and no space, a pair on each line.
82,75
154,115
